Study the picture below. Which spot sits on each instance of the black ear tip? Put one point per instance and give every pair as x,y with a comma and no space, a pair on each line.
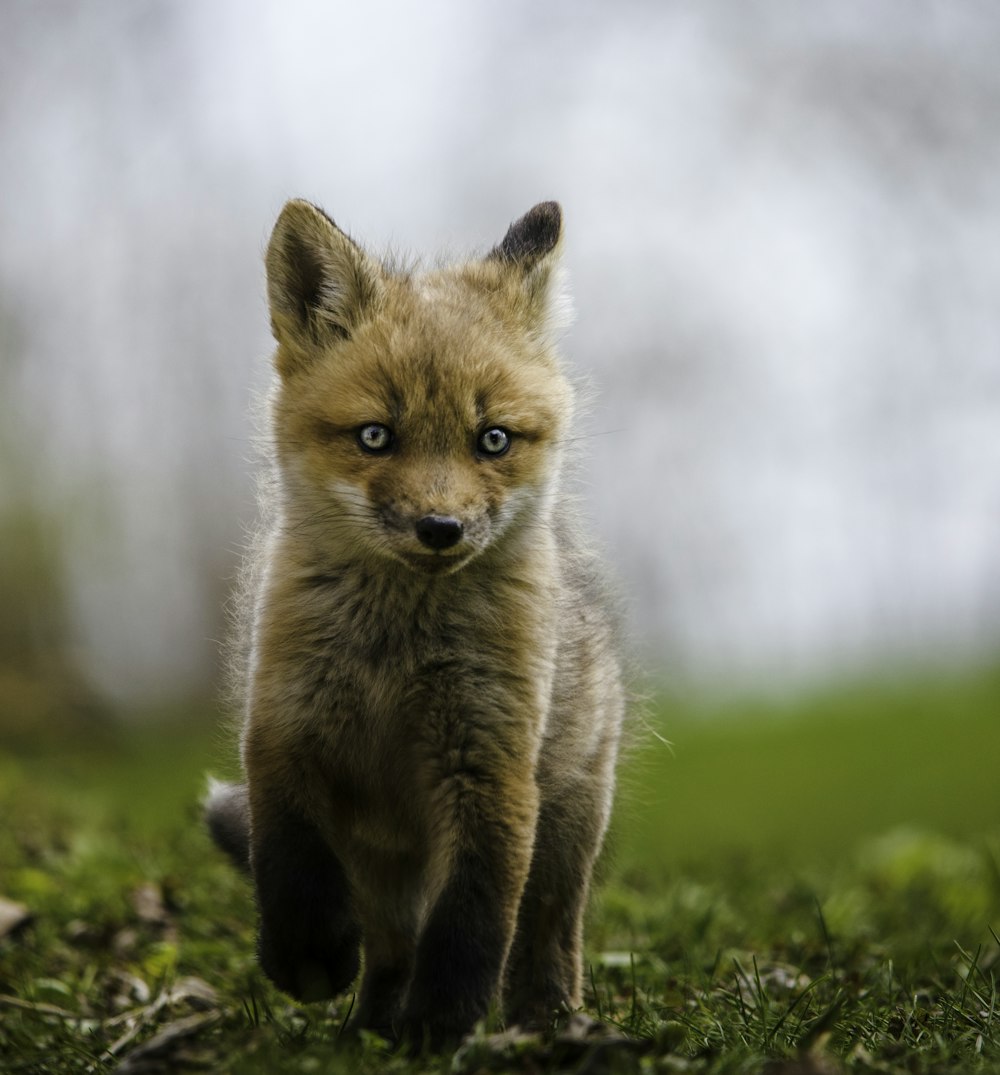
546,222
534,235
548,212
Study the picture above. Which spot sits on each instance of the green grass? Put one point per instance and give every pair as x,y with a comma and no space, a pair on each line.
812,884
809,778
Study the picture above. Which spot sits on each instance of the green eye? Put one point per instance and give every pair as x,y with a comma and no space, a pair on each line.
375,437
494,441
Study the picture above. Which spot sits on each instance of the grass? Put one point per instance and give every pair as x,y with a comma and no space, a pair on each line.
811,886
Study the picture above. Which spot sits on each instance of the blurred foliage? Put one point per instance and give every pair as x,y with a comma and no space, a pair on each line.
44,696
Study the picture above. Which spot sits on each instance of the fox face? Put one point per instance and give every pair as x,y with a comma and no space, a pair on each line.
418,418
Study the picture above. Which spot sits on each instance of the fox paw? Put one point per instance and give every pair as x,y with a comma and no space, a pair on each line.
316,974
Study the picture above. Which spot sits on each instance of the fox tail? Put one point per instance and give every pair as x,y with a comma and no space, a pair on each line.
227,815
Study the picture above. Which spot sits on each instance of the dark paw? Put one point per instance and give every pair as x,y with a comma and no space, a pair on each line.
543,1016
381,1022
317,973
420,1032
414,1037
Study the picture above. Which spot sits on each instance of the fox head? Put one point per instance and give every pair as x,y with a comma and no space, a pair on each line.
418,417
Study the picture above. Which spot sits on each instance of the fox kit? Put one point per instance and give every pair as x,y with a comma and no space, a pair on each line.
433,699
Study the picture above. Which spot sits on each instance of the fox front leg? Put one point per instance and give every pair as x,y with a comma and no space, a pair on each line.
544,969
307,943
464,943
308,940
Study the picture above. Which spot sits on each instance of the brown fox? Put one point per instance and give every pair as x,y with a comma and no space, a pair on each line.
433,691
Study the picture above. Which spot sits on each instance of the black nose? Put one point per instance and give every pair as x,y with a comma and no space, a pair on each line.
439,531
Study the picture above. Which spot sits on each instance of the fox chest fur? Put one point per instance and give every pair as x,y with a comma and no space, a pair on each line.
433,697
383,689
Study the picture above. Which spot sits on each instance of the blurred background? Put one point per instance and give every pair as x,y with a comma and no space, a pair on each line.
783,236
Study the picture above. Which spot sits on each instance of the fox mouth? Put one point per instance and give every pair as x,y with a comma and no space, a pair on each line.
435,563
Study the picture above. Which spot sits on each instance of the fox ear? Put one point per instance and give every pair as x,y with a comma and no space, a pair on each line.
319,281
532,238
530,251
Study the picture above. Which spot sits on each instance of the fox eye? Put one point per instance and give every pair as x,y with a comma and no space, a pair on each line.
494,441
375,437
